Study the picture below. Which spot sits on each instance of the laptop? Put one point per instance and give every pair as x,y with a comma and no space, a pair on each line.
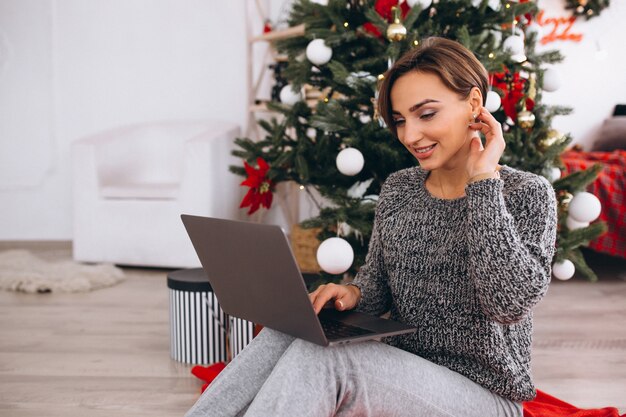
255,277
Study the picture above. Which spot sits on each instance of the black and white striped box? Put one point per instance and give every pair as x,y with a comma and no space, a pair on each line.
198,326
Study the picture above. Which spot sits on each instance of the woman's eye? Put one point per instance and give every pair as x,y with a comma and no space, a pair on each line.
398,122
427,116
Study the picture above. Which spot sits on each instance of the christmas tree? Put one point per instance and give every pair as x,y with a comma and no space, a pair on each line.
337,148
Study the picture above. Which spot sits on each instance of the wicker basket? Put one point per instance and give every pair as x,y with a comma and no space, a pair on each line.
304,245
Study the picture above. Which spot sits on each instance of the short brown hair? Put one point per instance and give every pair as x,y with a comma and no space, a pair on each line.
454,64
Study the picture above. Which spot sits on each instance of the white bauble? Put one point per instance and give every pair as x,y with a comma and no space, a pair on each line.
514,45
365,118
288,96
573,224
350,161
493,101
554,174
423,3
476,3
551,80
322,2
494,5
585,207
335,255
318,53
563,270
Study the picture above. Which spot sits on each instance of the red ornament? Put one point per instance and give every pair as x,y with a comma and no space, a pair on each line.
383,7
513,88
261,187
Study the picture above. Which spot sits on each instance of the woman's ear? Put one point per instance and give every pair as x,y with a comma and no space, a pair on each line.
475,99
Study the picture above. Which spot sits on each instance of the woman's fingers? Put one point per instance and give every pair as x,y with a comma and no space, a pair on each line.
486,159
325,295
492,129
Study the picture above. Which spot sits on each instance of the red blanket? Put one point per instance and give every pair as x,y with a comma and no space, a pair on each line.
545,405
610,188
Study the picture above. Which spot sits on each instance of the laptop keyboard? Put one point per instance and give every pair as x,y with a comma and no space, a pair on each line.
338,330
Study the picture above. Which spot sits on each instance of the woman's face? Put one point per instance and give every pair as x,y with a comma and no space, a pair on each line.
431,120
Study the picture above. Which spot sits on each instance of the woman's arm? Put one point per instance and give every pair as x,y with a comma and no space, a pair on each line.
511,247
371,279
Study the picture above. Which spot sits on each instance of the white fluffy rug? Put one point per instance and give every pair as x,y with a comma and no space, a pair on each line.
20,270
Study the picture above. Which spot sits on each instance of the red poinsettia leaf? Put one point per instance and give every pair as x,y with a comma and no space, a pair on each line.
255,206
383,7
263,166
249,168
369,27
530,104
266,199
247,199
252,181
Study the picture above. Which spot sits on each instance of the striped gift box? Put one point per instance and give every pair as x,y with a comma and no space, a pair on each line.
200,332
240,334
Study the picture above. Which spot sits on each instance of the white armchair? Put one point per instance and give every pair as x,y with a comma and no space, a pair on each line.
131,184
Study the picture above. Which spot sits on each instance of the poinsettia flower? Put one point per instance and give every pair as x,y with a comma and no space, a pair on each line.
513,88
261,187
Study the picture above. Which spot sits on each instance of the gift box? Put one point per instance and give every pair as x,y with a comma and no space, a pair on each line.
200,332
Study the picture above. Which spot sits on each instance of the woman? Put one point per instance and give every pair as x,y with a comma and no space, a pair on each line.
461,249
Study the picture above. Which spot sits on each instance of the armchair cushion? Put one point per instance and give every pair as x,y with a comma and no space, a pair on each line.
132,183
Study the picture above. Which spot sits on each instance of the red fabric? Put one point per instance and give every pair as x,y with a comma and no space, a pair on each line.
545,405
610,188
208,373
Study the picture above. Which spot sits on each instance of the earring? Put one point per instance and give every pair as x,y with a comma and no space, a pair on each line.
474,116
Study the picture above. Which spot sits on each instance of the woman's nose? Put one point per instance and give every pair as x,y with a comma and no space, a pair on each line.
412,133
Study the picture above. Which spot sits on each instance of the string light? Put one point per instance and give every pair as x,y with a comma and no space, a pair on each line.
415,42
381,77
491,55
345,24
301,187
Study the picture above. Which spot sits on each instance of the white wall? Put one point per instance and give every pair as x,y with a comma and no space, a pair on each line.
69,68
590,85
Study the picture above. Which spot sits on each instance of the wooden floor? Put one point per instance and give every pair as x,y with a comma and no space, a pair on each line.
106,353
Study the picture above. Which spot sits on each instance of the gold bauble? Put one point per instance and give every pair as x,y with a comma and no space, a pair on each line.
525,119
553,136
396,31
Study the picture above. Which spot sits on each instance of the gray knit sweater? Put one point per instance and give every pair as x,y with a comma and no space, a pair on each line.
466,272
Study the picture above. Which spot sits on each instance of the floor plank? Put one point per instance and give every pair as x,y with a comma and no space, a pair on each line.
106,352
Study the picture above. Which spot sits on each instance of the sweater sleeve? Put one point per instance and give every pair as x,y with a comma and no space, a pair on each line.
372,277
511,247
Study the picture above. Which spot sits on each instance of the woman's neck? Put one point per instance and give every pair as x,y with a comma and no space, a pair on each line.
447,183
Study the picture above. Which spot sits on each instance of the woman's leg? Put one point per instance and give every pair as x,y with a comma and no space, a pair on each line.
370,379
235,387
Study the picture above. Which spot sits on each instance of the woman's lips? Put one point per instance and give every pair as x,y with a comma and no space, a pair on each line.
424,151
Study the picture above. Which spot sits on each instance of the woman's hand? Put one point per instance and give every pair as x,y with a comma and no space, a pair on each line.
485,159
345,297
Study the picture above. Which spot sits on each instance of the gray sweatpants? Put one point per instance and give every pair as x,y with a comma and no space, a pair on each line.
277,375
